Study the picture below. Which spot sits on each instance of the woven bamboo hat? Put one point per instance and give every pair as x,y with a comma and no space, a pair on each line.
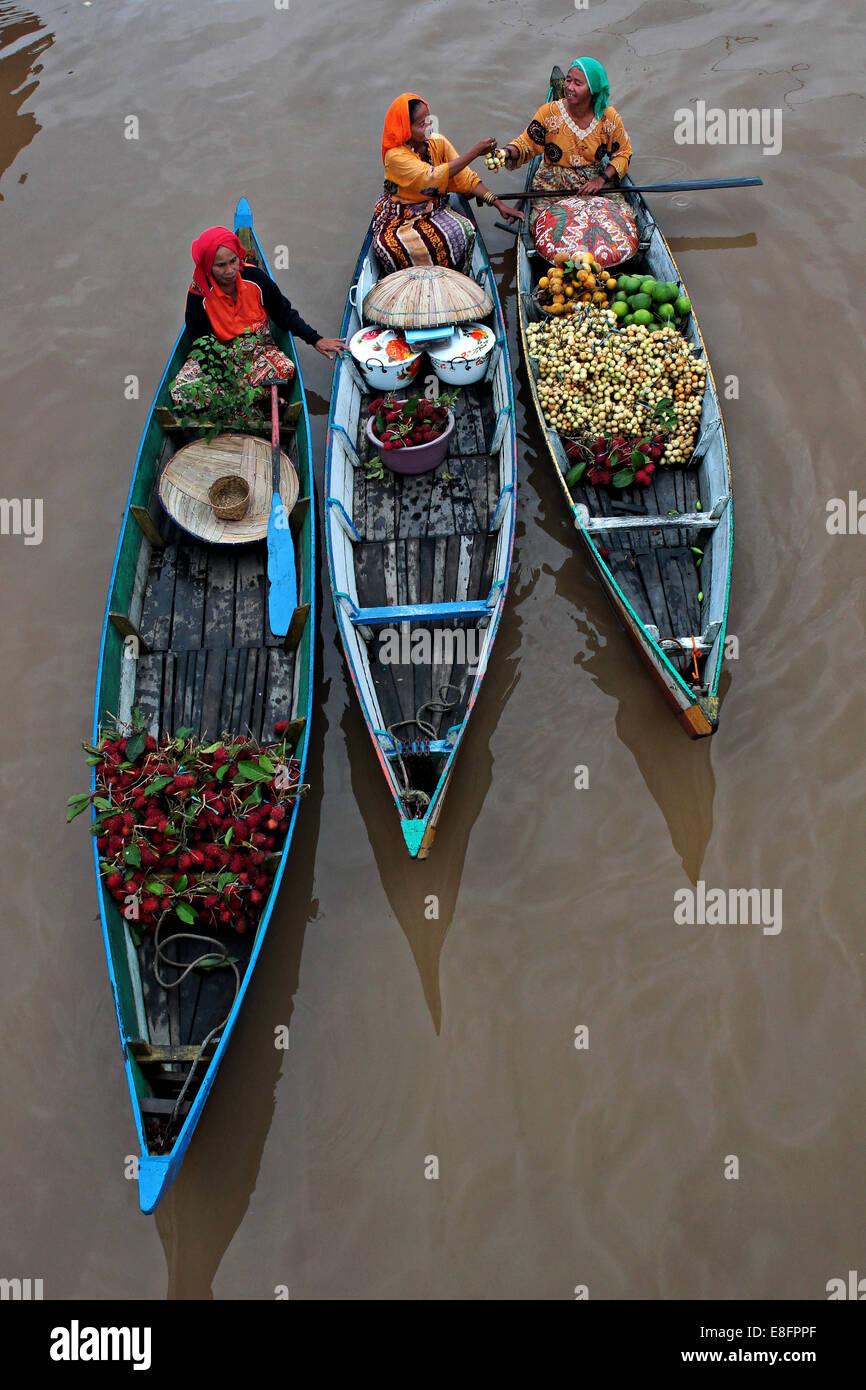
189,474
426,296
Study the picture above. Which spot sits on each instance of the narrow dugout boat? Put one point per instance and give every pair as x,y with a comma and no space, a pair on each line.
675,613
186,639
410,555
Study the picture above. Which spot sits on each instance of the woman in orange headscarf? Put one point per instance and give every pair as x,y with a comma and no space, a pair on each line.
233,301
413,223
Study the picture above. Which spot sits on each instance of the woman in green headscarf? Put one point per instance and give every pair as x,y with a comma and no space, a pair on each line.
584,146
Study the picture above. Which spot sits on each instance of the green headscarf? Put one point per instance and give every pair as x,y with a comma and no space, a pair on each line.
598,84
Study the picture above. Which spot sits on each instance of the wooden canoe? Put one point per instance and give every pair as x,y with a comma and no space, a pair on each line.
424,554
186,639
649,573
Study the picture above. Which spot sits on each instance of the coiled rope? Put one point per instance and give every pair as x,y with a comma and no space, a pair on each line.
210,958
438,706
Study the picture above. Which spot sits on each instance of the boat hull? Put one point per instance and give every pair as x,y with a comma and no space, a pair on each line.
117,689
488,409
694,702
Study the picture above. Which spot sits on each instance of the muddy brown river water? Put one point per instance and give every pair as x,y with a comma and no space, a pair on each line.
606,1165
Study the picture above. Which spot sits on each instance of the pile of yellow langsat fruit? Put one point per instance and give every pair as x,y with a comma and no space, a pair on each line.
570,282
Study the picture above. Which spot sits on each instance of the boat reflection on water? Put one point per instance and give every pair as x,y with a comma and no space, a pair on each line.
201,1212
423,893
677,770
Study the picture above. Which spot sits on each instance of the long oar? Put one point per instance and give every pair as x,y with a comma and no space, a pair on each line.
692,186
283,595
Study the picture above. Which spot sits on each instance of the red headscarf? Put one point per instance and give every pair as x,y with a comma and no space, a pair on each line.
398,127
228,316
204,250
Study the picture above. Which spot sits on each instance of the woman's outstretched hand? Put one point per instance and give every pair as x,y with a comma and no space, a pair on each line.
481,148
593,185
329,347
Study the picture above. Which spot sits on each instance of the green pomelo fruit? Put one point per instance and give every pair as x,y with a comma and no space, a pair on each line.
664,293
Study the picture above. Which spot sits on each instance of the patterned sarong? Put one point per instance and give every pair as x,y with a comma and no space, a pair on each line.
256,361
428,233
604,226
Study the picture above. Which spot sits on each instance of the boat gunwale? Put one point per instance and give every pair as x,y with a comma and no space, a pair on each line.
173,1158
634,623
428,822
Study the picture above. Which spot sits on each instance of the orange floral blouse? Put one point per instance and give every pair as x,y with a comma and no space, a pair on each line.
564,144
413,180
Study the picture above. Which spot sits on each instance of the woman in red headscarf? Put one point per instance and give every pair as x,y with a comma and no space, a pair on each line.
413,223
234,301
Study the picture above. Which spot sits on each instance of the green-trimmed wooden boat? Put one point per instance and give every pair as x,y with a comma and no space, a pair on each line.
186,639
675,614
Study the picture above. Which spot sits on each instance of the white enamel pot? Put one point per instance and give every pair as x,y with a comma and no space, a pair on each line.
384,358
462,360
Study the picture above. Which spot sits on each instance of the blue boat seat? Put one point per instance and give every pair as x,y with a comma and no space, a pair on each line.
421,612
419,746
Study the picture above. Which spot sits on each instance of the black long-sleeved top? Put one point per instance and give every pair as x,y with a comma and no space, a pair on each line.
276,306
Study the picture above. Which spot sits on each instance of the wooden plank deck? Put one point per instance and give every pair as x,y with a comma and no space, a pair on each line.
454,498
214,663
184,1016
425,539
661,583
655,569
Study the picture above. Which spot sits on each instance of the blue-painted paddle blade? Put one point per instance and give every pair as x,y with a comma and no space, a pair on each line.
283,595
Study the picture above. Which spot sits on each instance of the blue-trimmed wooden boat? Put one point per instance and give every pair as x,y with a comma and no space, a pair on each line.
202,655
675,614
421,561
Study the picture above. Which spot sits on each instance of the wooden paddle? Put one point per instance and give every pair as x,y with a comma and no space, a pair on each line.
691,186
283,595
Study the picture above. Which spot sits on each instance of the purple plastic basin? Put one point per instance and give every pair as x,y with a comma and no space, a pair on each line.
417,458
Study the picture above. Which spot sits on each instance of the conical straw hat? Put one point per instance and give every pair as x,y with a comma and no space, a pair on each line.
426,296
183,487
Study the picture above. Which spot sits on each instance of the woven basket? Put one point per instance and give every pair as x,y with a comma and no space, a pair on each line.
229,497
190,473
426,296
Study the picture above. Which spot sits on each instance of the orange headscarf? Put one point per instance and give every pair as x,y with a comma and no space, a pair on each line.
398,128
